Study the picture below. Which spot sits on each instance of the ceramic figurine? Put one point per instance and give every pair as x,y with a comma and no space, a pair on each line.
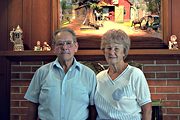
173,45
38,46
16,38
46,47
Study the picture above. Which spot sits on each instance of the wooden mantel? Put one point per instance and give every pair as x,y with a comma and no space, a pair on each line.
29,55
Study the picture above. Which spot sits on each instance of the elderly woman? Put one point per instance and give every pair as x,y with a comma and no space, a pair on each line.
122,90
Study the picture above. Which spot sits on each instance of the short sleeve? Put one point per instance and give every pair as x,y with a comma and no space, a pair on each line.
142,89
32,93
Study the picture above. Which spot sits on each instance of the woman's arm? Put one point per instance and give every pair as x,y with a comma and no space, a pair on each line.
146,111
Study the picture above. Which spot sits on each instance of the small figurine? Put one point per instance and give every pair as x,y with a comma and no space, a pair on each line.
173,45
16,39
38,46
46,47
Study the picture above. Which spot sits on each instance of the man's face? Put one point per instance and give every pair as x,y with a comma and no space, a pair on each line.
65,47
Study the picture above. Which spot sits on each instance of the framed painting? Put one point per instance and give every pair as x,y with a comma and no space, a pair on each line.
141,19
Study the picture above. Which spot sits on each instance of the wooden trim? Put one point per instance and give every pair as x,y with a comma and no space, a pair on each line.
93,55
54,15
145,52
27,23
166,20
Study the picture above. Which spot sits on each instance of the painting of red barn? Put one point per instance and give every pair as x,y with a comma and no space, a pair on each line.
140,19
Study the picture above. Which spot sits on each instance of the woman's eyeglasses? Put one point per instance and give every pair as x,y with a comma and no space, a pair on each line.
116,49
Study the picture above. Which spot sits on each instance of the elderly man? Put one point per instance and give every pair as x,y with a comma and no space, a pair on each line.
63,89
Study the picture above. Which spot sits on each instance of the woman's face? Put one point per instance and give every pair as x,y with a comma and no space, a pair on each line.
114,53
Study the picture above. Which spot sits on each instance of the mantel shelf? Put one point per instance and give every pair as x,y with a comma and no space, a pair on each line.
30,55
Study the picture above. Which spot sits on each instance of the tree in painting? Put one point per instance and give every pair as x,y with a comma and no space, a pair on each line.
154,6
87,5
90,6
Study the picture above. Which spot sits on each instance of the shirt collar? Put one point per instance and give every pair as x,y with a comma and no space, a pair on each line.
76,64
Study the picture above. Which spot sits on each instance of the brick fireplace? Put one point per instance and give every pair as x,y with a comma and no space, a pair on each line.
161,69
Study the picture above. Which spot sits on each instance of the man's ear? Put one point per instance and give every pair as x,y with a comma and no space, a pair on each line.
76,47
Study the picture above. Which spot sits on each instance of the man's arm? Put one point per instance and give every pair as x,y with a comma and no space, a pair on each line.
32,111
147,111
92,112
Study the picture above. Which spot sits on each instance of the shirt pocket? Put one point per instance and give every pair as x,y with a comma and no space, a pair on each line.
47,93
80,94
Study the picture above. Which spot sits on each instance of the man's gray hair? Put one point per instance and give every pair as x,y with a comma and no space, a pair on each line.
65,29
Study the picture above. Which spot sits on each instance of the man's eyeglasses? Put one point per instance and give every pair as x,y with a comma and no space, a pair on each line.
67,43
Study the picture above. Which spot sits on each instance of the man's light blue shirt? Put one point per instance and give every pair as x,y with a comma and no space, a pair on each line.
62,96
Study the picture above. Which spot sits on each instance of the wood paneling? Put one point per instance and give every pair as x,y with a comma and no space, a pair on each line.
41,19
27,22
37,18
3,25
15,11
176,19
166,19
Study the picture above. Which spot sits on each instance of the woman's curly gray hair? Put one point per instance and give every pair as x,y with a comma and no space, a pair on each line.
117,37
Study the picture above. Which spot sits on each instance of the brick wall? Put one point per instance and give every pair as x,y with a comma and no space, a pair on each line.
163,78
